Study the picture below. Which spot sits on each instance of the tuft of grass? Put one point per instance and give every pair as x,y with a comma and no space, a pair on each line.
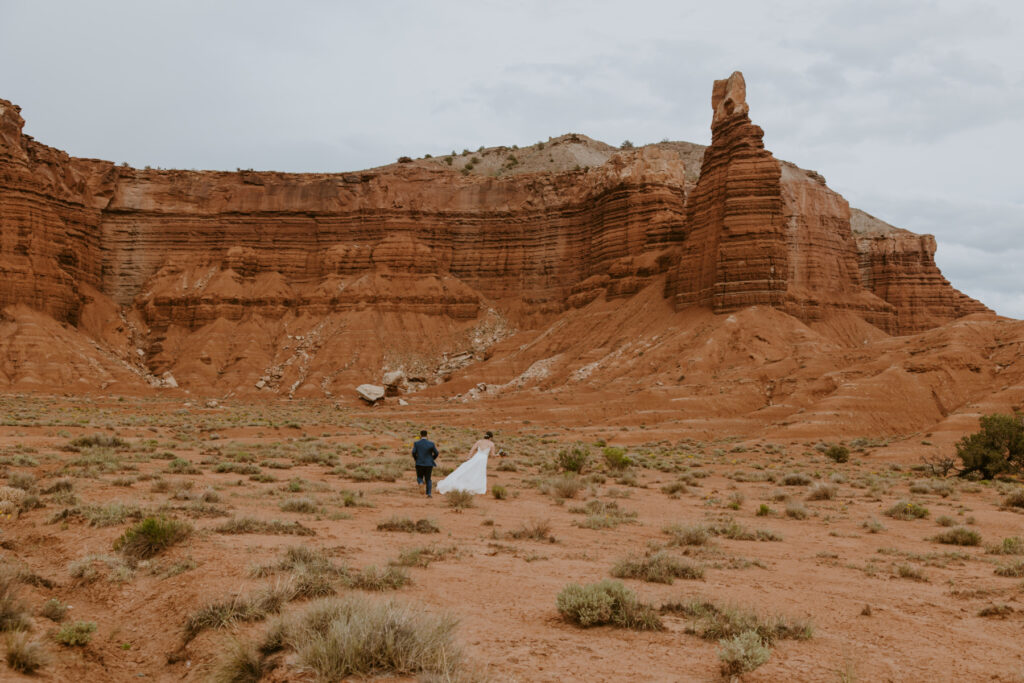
714,621
742,653
822,491
606,603
421,557
945,520
537,530
248,525
1013,545
54,610
252,607
1012,570
660,567
239,662
97,441
601,515
873,526
907,510
795,479
687,535
1014,499
459,499
88,568
796,510
564,486
21,480
958,536
373,579
151,536
997,610
306,505
24,655
13,612
77,633
421,526
337,638
499,492
908,571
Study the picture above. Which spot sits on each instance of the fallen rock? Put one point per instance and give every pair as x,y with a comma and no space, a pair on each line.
167,380
371,393
402,402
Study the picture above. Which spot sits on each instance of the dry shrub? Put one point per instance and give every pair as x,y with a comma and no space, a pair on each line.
537,530
907,510
373,579
822,491
248,525
421,526
240,662
459,499
24,655
687,535
713,621
660,567
353,636
13,612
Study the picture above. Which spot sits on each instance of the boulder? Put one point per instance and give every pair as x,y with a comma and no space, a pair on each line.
371,393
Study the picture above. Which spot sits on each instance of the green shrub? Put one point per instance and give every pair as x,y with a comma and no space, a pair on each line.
573,459
997,448
657,568
616,458
838,453
1014,545
151,536
742,653
76,633
499,492
958,536
606,603
907,510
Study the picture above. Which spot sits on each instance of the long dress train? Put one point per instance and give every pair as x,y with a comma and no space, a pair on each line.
469,476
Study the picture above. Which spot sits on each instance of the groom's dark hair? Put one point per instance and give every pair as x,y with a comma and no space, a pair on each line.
423,432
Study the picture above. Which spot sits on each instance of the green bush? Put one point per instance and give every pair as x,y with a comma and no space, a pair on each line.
77,633
838,453
616,458
907,510
997,448
499,492
573,459
151,536
606,603
958,536
742,653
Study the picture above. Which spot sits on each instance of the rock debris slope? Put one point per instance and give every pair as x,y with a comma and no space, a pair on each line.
459,268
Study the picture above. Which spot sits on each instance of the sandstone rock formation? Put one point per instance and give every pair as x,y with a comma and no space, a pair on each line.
303,284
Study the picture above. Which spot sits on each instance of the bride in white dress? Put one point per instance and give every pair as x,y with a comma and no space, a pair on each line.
471,475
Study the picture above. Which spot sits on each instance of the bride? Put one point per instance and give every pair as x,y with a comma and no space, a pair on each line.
471,475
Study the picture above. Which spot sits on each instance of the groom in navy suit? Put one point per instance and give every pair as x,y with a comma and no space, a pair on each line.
424,452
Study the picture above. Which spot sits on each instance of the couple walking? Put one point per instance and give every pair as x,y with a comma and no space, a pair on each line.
469,476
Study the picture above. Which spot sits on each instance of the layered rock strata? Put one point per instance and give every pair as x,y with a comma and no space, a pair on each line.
334,257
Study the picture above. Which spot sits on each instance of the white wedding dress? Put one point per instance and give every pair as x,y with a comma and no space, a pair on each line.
469,476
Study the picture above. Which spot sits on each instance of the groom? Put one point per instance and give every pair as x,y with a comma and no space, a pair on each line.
424,452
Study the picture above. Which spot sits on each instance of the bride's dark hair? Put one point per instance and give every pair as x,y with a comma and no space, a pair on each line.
488,435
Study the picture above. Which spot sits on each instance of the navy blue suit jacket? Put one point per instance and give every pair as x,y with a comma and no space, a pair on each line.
424,452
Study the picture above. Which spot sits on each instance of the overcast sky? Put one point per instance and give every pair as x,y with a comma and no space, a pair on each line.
912,110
